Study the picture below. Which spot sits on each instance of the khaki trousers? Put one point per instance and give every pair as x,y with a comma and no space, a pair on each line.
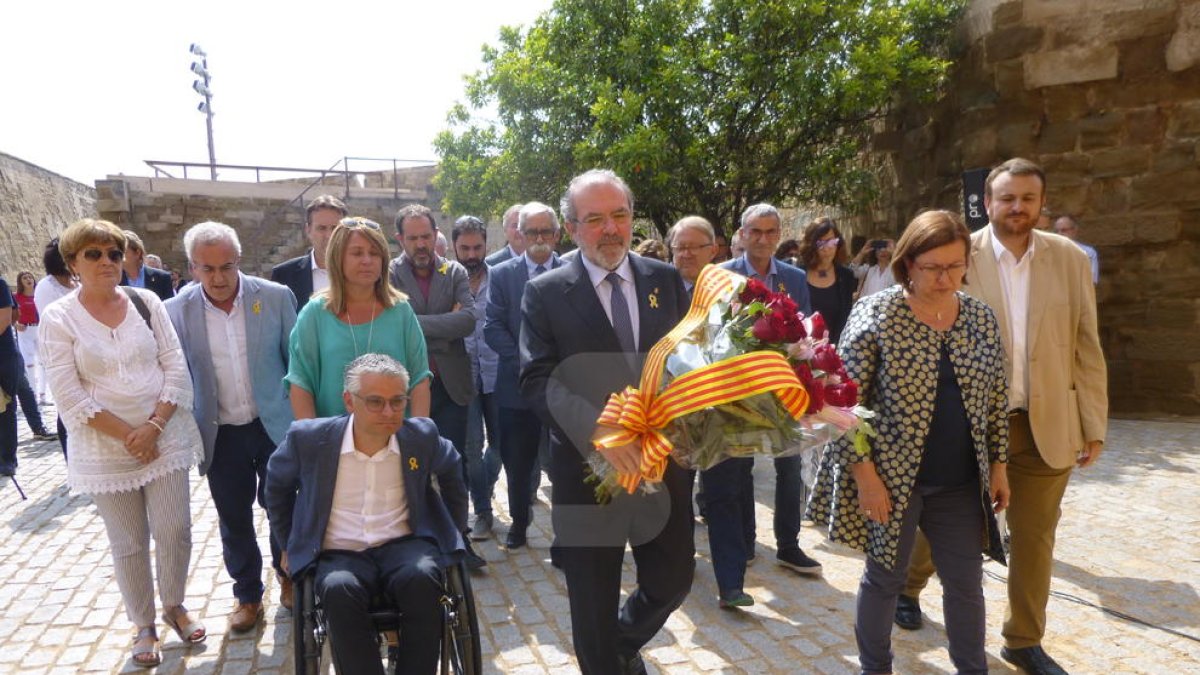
1033,514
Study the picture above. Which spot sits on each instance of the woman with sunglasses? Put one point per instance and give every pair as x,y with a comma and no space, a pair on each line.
831,284
115,368
359,313
928,359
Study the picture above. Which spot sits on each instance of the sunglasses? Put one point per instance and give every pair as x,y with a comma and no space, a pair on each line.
828,243
114,254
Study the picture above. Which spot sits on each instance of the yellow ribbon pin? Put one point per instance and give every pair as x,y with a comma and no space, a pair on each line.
653,299
256,307
782,288
412,463
445,266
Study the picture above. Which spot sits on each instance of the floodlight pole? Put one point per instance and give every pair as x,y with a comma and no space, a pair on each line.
206,92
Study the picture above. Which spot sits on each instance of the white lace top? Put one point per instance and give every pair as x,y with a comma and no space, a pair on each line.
126,371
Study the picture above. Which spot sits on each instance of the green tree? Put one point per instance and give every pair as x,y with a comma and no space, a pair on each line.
702,106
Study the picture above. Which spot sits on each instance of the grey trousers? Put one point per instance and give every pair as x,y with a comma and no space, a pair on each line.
160,508
952,519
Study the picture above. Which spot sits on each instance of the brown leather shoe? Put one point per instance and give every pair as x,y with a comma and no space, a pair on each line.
245,616
285,591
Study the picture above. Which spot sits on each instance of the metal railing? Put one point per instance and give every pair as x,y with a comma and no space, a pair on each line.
340,168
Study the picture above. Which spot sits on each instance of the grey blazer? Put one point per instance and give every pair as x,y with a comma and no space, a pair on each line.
270,311
446,318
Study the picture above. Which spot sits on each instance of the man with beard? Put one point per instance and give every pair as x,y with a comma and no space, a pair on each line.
1040,286
520,428
512,234
483,462
586,329
307,274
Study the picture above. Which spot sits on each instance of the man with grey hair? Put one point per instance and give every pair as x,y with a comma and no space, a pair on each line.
1067,226
512,234
693,245
520,429
760,230
586,328
353,500
233,330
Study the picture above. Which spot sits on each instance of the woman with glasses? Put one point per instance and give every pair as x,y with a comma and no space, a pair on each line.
359,313
928,359
831,284
115,368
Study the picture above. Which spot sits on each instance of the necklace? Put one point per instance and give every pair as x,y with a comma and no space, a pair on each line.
370,332
823,273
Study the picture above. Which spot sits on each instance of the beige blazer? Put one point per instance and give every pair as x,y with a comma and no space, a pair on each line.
1068,379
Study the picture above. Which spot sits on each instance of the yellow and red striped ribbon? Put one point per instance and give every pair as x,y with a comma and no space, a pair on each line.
640,415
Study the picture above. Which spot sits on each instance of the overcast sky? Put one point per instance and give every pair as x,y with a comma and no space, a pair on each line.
89,88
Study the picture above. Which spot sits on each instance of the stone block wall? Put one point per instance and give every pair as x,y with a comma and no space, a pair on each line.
35,206
1105,95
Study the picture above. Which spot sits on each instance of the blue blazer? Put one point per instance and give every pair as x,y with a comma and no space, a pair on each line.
156,280
267,331
302,473
793,279
502,325
296,274
503,255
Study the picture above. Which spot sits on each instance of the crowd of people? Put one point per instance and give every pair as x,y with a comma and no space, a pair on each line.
337,392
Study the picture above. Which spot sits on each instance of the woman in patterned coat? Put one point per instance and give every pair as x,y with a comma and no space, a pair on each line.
928,359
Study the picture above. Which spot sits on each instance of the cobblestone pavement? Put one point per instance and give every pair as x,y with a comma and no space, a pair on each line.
1129,543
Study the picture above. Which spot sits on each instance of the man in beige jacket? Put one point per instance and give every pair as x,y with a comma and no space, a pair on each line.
1040,287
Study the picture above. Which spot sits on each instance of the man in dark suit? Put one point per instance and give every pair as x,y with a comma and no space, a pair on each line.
135,272
520,428
234,330
512,234
307,274
586,328
353,499
761,228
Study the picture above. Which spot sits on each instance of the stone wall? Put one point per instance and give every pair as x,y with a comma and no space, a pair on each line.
269,217
35,206
1105,95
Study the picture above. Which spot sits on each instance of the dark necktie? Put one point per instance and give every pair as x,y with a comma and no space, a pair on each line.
537,271
621,322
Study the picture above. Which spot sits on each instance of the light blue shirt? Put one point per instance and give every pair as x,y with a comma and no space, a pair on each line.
140,280
484,360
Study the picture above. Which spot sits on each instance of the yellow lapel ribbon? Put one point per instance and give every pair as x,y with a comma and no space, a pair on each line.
640,415
412,463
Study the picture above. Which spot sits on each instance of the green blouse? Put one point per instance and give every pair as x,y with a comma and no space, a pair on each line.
322,345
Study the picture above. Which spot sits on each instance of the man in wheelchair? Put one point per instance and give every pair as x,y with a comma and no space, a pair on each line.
353,499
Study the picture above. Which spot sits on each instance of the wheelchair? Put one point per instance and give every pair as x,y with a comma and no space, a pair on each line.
460,652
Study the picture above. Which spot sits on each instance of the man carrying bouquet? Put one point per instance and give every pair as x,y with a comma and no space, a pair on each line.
761,227
586,328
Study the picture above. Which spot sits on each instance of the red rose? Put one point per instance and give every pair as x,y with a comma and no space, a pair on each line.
816,398
754,290
768,328
818,329
844,395
826,358
781,302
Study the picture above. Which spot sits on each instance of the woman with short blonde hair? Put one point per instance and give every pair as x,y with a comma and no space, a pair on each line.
118,374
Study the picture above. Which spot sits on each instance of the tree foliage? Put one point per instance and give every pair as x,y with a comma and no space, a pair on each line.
702,106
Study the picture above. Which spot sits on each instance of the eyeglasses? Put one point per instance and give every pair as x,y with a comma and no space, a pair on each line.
375,403
618,217
539,234
114,254
936,271
688,249
828,243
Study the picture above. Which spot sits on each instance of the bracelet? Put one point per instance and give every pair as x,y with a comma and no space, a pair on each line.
154,424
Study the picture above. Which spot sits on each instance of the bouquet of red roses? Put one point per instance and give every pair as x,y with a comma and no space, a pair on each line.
745,373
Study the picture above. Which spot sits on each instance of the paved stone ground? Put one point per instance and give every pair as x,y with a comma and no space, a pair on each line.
1129,542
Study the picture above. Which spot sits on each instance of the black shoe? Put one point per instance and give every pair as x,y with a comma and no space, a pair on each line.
44,435
471,558
515,538
1033,660
795,559
908,613
632,665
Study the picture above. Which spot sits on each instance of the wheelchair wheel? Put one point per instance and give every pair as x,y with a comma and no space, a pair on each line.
308,630
460,633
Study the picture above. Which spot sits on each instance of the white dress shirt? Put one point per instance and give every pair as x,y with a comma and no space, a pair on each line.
369,504
320,276
598,276
1014,280
231,367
